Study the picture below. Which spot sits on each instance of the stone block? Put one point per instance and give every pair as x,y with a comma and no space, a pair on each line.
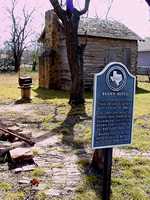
21,154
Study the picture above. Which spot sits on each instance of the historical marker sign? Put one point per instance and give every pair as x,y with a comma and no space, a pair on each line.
114,91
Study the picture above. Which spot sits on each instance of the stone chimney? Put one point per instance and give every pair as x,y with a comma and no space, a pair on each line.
52,29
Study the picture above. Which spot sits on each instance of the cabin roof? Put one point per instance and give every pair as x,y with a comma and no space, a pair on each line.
97,27
106,28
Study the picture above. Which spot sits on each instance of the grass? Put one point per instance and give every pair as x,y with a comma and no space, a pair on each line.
5,186
141,139
88,195
35,152
9,90
38,172
14,196
131,179
83,163
88,189
142,101
56,165
41,196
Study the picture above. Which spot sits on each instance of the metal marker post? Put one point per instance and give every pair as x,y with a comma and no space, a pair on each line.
107,173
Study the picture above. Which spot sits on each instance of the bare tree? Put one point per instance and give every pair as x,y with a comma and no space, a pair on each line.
19,33
109,7
70,19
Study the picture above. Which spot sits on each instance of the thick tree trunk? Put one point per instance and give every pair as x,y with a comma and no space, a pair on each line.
77,87
76,94
75,59
17,64
70,19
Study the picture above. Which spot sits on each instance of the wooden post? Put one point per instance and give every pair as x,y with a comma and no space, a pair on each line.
107,173
25,93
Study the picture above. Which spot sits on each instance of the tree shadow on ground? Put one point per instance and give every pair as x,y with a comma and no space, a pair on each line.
78,115
44,94
141,91
59,94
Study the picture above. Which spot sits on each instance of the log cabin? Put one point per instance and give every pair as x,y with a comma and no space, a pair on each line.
107,41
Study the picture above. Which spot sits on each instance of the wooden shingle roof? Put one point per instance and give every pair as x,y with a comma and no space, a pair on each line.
106,28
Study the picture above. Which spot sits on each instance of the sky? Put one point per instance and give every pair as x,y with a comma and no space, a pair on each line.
133,13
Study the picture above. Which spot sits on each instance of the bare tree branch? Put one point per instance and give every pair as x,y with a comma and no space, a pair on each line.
86,7
57,8
109,8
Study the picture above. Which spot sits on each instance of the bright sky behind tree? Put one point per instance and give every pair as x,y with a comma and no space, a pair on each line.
133,13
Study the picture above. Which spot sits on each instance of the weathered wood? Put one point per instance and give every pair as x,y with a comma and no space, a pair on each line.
23,138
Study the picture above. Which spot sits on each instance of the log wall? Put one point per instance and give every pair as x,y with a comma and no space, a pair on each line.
96,57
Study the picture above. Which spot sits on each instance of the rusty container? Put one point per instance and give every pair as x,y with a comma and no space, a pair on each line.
25,84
